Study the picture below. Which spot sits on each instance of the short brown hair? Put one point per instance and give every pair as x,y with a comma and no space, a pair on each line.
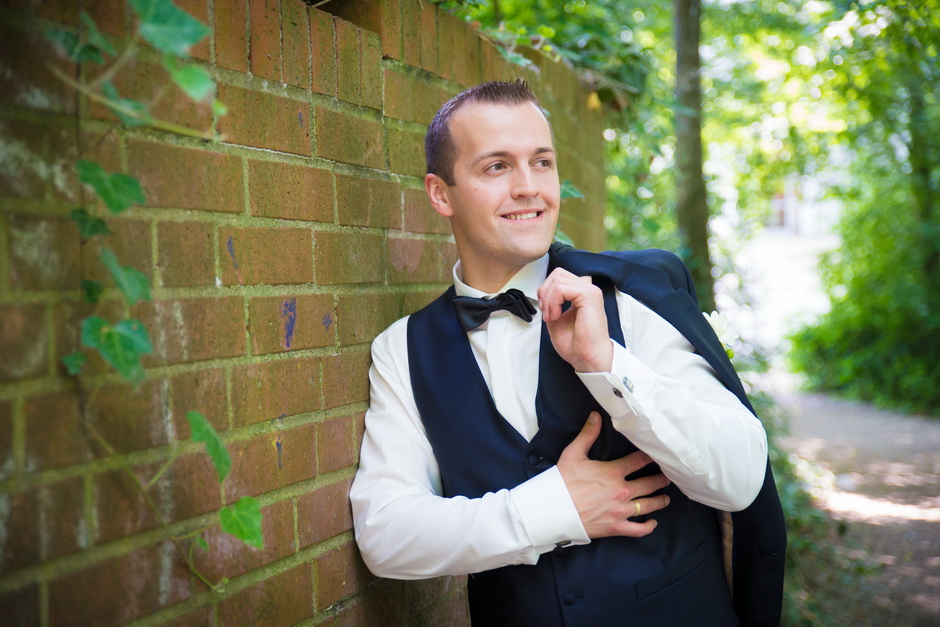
439,149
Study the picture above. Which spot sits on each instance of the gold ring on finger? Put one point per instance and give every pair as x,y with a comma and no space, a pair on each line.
637,504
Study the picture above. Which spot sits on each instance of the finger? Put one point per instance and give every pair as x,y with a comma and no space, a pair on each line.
561,287
647,485
631,529
583,442
629,464
648,505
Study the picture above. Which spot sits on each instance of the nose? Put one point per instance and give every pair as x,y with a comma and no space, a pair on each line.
523,183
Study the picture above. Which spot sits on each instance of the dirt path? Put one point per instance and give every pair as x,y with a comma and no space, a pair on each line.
885,485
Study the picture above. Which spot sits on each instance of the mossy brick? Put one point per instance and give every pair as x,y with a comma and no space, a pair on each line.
22,530
131,418
361,317
467,67
230,557
406,152
193,329
199,9
202,391
27,83
231,35
381,602
285,125
366,14
290,322
185,255
273,460
103,149
108,16
322,52
447,26
340,573
275,389
429,47
413,260
418,596
21,606
272,256
44,252
324,513
129,240
264,46
453,611
23,171
416,298
87,596
25,342
346,378
187,178
62,518
370,86
337,446
348,139
391,29
411,99
187,489
54,437
295,37
280,600
348,258
67,318
7,458
368,202
411,32
293,192
420,216
348,60
495,66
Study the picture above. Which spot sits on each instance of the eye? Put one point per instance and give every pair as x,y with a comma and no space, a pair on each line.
499,166
544,162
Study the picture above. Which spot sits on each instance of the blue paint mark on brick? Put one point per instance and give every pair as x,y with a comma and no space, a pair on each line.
280,450
231,251
300,119
328,320
289,314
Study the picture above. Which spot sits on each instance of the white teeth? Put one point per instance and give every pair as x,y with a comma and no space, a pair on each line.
523,216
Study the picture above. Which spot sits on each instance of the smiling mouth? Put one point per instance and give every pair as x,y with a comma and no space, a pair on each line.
528,215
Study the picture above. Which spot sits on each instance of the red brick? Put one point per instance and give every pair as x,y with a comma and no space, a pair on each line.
229,557
185,254
108,16
202,391
25,342
231,35
27,83
285,125
495,66
366,14
323,52
128,418
24,172
145,581
186,178
275,389
283,323
339,573
349,64
420,216
411,99
67,320
381,604
361,317
417,596
429,49
44,252
62,517
413,260
324,513
467,64
453,611
370,85
7,462
193,329
63,146
348,139
272,460
348,258
250,256
416,299
406,152
447,24
295,33
54,437
199,9
338,446
129,240
20,606
279,190
22,530
199,618
391,29
281,600
411,32
345,379
368,202
265,45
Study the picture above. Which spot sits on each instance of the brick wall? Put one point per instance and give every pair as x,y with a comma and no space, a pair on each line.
276,254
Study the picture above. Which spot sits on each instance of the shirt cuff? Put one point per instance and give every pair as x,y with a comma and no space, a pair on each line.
620,391
547,511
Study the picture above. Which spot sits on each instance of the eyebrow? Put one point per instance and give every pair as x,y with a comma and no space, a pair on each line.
505,153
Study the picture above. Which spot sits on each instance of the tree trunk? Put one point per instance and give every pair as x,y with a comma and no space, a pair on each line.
691,205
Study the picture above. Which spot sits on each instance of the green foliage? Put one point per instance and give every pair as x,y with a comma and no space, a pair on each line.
203,432
118,191
121,345
88,226
192,79
167,27
91,291
243,520
74,362
132,282
569,190
130,112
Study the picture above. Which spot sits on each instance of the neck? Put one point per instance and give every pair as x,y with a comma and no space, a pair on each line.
489,281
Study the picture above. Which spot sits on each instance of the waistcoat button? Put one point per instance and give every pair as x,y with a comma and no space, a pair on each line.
569,598
533,459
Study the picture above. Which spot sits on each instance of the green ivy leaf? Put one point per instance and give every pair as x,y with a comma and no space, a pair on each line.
88,226
203,432
568,190
243,520
167,27
561,236
192,79
219,108
202,544
120,345
131,281
91,291
76,50
516,58
143,115
74,362
118,191
94,36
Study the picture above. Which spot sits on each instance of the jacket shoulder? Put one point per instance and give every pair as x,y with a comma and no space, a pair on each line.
679,276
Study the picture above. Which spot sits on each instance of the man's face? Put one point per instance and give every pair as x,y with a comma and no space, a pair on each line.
503,205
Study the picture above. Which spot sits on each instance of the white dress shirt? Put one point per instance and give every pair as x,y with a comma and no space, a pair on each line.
660,394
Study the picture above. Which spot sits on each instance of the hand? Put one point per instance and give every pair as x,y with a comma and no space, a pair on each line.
579,335
603,497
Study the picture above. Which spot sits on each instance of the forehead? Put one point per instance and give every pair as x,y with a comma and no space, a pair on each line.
478,128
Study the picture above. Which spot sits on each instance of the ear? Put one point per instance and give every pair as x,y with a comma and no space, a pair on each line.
437,189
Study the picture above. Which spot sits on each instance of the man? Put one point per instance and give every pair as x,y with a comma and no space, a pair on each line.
477,457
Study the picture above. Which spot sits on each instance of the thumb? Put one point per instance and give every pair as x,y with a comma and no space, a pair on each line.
586,438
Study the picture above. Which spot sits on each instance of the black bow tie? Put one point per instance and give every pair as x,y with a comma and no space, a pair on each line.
472,312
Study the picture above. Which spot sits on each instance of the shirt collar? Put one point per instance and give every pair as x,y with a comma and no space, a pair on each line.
529,278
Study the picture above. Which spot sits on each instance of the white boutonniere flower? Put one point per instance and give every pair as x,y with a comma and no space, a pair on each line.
722,328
